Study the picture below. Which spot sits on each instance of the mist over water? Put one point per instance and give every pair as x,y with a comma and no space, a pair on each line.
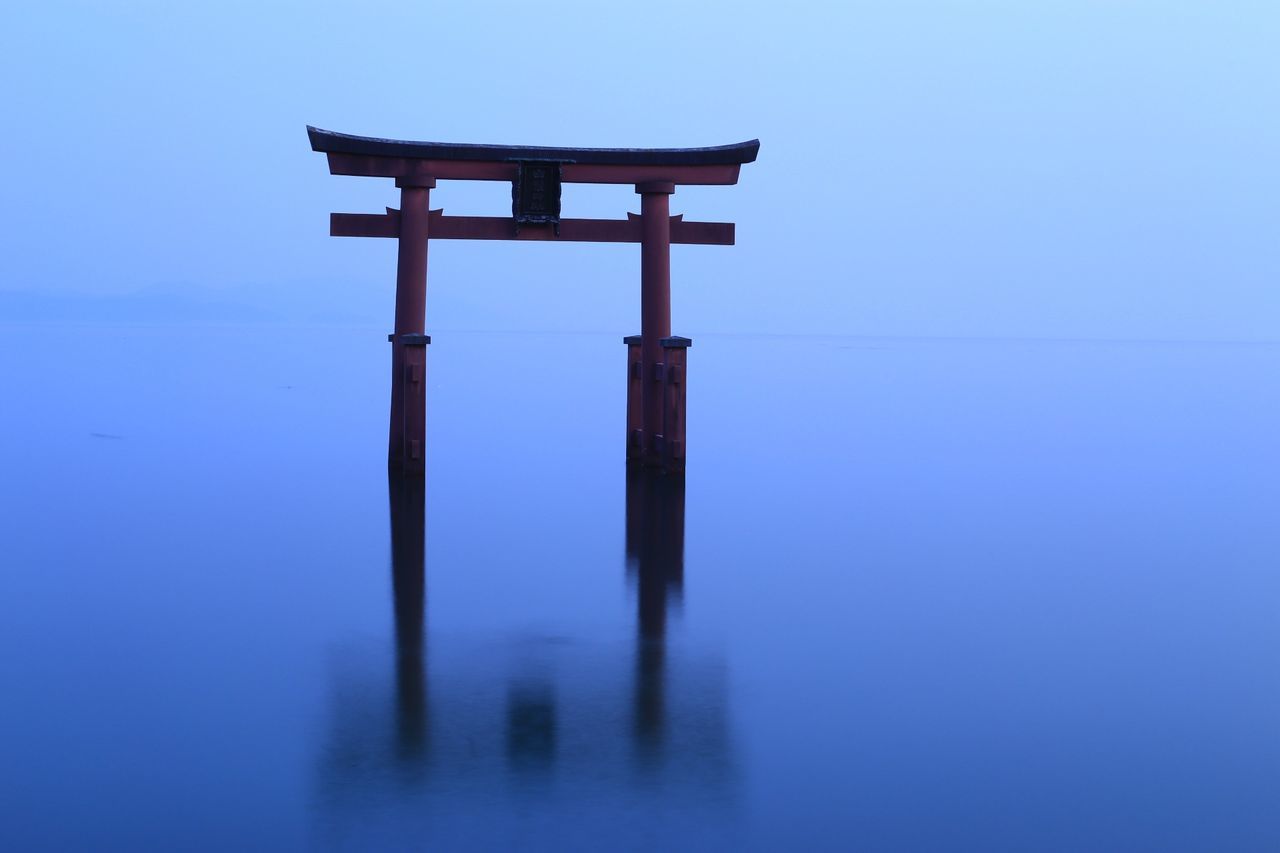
914,594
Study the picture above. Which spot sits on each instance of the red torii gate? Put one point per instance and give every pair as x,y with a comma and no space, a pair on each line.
656,360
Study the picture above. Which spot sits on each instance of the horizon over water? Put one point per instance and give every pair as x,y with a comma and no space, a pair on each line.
914,593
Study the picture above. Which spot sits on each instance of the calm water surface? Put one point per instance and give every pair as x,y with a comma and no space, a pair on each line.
914,595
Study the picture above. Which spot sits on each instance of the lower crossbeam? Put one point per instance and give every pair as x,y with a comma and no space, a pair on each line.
441,227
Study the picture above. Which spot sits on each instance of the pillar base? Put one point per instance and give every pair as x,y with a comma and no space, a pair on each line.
660,445
407,442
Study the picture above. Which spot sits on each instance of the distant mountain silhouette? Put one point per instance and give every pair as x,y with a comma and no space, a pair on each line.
178,304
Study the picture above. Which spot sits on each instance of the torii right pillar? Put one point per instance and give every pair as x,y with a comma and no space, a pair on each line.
655,359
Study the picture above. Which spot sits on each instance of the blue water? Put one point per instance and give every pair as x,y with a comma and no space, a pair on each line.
914,595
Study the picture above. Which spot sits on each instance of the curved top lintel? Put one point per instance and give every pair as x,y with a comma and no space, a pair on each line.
330,142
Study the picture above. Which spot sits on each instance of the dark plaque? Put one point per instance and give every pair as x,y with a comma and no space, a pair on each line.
535,195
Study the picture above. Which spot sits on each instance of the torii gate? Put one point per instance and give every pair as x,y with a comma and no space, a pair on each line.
656,360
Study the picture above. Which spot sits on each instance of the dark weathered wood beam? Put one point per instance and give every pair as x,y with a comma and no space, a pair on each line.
441,227
331,142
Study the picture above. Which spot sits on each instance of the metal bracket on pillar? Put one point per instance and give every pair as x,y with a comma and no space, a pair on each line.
410,340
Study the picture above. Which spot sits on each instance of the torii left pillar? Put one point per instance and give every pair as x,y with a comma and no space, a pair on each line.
408,439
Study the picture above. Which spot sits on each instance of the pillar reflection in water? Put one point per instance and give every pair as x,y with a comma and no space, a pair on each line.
407,493
532,715
655,563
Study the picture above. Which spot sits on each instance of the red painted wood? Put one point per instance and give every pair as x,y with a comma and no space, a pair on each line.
365,224
503,228
635,402
717,175
407,435
655,306
656,362
675,374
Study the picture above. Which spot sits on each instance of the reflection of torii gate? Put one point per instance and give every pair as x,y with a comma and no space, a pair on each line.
656,360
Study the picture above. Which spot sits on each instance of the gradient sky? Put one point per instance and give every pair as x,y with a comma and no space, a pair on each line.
1081,168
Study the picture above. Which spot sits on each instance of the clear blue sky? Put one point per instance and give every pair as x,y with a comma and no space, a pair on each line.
974,167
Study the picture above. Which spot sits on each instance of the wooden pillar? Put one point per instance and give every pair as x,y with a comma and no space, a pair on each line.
655,309
407,445
635,403
675,359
